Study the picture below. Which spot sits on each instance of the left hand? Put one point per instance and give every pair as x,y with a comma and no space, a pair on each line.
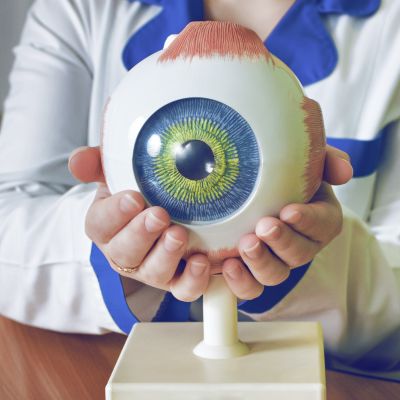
293,239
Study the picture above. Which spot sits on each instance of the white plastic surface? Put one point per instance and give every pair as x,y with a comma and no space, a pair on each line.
286,362
267,97
220,323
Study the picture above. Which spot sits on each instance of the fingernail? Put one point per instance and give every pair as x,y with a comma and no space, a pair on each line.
254,251
172,244
153,224
198,268
347,162
272,233
292,217
345,157
233,271
128,204
280,277
76,151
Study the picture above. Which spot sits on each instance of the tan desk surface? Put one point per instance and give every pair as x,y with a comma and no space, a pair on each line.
38,364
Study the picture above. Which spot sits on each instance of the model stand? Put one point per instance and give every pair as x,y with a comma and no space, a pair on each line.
273,360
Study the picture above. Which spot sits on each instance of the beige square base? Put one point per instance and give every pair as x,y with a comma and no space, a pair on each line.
286,362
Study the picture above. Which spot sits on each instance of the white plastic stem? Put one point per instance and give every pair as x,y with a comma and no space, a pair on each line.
219,314
220,322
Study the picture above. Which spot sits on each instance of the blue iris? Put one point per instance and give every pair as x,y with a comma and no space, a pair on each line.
197,158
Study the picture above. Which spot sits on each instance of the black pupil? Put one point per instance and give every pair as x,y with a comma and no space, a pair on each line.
194,160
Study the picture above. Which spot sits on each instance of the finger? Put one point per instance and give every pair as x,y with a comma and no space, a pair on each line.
240,281
193,282
159,266
85,164
265,267
321,220
335,152
102,192
109,214
291,247
338,169
130,245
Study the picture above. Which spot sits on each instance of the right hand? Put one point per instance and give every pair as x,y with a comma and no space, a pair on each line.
134,237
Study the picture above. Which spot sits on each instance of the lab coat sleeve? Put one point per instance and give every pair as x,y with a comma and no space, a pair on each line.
46,278
385,214
353,292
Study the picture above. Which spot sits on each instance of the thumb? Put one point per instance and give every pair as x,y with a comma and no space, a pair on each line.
338,169
85,164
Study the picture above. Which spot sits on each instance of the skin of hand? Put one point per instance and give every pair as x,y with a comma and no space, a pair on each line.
132,236
292,240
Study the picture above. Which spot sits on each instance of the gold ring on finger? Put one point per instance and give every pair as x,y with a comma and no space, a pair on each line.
126,270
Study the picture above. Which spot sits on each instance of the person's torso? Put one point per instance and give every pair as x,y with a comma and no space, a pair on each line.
355,98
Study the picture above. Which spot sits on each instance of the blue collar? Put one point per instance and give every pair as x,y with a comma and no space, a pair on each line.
300,39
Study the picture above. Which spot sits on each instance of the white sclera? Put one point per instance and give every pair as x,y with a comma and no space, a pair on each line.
267,96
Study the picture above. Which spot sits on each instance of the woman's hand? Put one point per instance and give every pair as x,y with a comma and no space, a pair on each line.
293,239
139,243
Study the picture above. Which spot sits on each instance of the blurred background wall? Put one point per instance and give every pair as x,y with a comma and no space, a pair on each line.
12,17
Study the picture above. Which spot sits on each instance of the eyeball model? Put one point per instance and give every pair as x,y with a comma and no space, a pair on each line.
217,131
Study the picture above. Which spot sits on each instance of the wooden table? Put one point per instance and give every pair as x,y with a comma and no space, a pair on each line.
38,364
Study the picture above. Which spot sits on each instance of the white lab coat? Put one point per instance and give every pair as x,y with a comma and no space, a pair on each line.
67,64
